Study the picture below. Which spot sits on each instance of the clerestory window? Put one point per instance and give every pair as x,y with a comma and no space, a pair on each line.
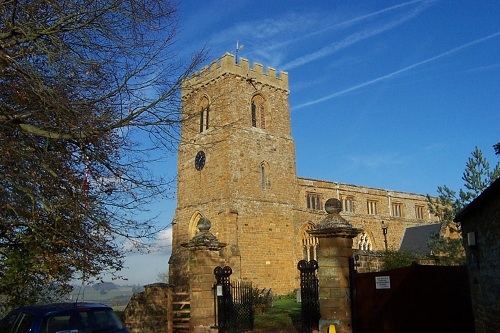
313,201
348,204
396,209
419,212
371,207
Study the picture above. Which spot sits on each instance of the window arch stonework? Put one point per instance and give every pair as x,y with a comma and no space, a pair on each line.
308,243
193,225
364,241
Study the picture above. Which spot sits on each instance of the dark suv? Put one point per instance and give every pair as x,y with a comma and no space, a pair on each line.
62,318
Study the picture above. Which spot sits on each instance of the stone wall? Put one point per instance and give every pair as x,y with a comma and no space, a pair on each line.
373,261
480,222
368,262
147,312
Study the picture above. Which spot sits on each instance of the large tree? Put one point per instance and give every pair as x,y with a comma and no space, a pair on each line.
89,90
477,177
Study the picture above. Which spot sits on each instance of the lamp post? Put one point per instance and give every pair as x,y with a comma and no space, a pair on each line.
384,231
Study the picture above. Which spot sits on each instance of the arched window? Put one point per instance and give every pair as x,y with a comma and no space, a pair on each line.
265,182
193,225
204,114
258,112
364,242
308,243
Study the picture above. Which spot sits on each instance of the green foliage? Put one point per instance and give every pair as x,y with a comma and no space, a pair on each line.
396,259
105,286
477,177
290,296
447,251
444,205
262,299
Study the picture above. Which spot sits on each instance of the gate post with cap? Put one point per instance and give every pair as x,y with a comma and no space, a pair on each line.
335,236
204,249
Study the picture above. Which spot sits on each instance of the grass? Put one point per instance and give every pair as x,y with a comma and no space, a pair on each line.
283,315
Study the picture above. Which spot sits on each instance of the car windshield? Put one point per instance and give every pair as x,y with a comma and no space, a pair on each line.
83,321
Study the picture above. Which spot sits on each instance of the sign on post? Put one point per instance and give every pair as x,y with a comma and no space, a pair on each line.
382,282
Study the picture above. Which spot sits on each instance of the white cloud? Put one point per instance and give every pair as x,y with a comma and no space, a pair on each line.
352,39
161,244
164,238
400,71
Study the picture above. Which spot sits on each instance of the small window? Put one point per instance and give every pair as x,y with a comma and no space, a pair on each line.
204,114
314,201
262,116
254,115
263,179
396,209
265,182
371,207
348,204
204,119
419,212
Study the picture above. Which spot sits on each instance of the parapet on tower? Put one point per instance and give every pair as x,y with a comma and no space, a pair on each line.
227,65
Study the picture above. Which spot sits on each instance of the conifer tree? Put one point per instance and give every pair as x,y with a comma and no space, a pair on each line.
477,177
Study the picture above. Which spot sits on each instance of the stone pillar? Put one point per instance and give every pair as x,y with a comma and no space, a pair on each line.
335,236
203,258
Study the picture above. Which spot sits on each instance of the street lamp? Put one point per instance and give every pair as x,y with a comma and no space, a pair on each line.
384,231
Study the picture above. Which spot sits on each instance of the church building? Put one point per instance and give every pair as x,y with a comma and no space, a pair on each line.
236,167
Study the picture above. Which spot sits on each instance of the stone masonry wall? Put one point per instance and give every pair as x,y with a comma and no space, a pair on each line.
147,311
371,223
482,219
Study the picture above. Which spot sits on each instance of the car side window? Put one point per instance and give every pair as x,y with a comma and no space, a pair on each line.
17,322
7,323
24,323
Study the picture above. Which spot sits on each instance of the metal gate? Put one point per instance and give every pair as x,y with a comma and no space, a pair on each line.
309,295
414,299
232,302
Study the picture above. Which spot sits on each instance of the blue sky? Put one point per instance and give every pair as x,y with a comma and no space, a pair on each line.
388,94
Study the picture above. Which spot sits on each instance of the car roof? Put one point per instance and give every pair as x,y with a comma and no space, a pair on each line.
55,308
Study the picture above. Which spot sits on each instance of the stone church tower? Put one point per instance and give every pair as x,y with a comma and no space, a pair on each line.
236,167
